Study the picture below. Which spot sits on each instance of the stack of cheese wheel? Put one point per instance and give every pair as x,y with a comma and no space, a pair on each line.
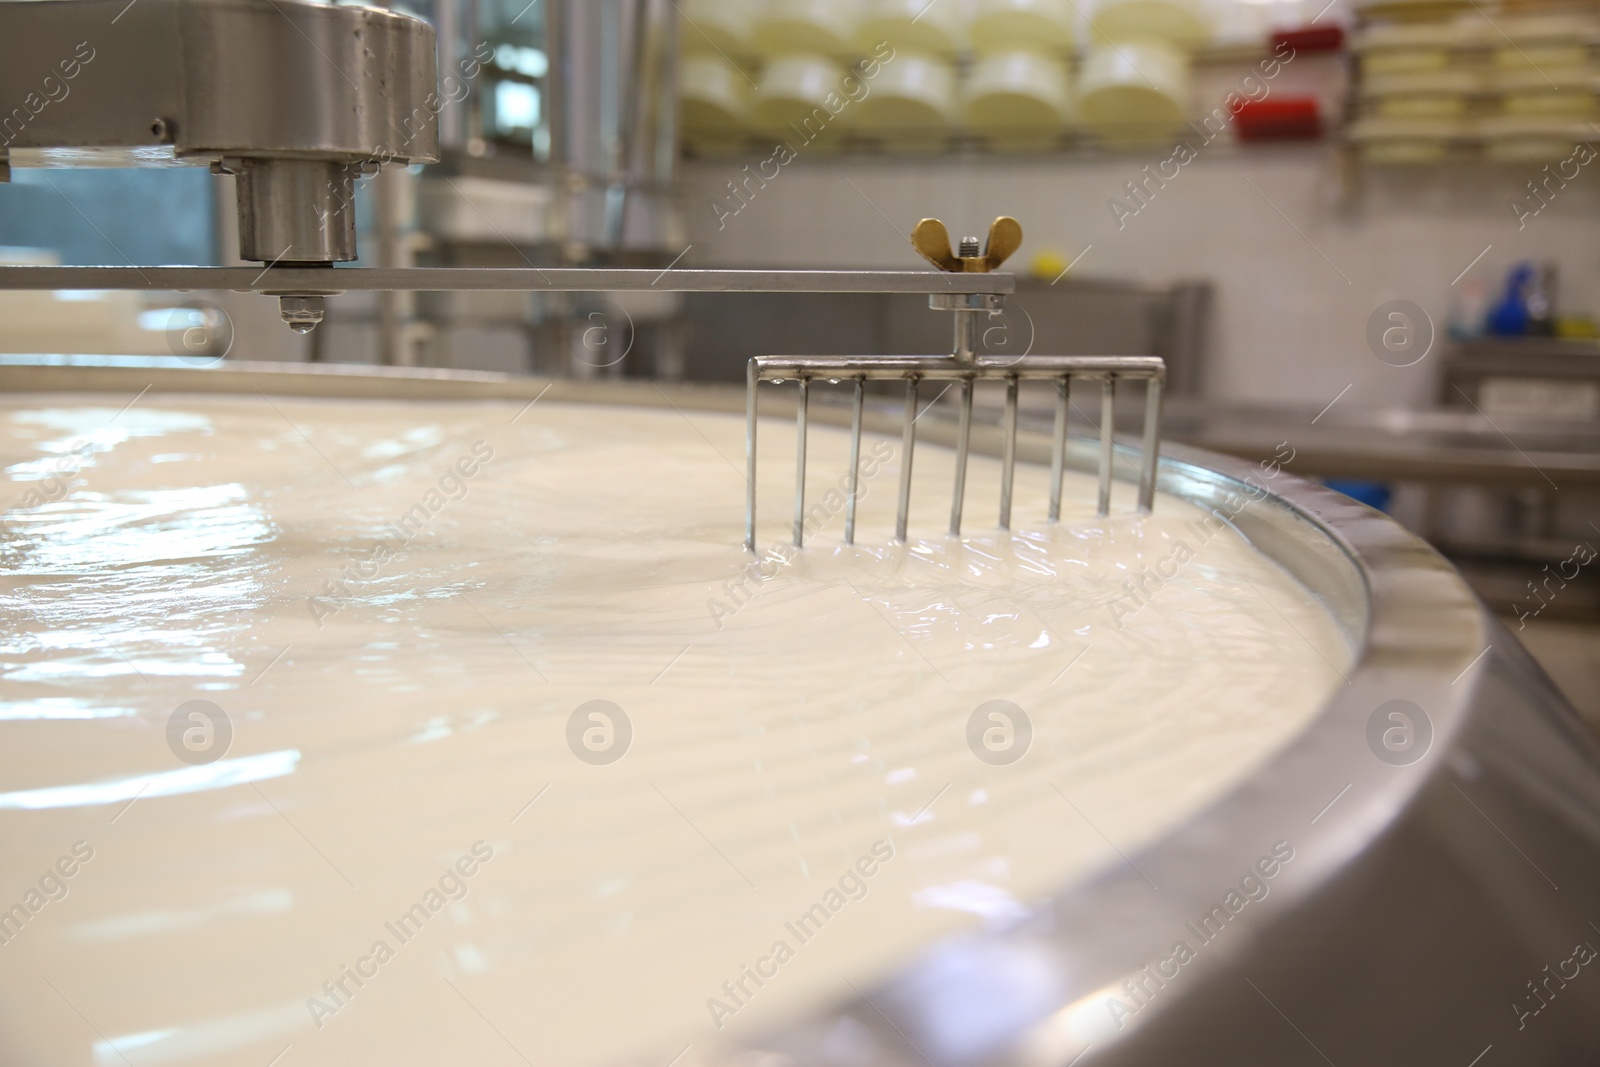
1179,23
911,103
720,27
912,25
819,27
1135,82
1018,90
1003,24
713,84
1133,91
804,45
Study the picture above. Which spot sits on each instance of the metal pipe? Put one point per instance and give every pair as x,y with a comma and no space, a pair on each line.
628,35
447,29
612,107
963,445
394,307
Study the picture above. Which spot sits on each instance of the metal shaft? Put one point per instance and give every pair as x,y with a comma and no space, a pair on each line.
1108,413
963,444
296,211
859,401
801,408
1152,445
966,329
281,279
1058,453
1008,469
908,442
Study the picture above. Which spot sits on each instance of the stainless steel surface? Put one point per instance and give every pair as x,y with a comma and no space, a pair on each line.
1396,444
296,211
1428,893
311,280
1423,900
447,28
1553,377
946,369
296,285
1502,495
271,80
589,182
398,331
966,368
966,332
968,299
267,89
1077,316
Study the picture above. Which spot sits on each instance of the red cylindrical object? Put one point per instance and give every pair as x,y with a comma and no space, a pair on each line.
1280,119
1309,39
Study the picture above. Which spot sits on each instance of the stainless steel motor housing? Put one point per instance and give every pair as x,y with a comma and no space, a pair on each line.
295,98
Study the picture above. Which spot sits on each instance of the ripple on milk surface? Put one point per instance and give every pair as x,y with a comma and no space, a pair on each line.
399,608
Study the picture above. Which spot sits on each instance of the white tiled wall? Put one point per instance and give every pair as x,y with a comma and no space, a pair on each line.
1298,274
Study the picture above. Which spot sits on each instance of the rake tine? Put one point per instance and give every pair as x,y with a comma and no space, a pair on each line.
1059,450
752,376
800,462
913,371
963,443
1009,466
859,401
1152,445
1107,427
907,446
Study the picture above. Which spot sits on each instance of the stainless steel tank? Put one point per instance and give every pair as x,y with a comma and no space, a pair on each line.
1444,892
1390,891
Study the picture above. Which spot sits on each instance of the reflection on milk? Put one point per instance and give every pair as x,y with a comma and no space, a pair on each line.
770,747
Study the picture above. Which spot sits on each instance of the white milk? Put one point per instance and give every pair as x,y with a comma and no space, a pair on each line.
396,710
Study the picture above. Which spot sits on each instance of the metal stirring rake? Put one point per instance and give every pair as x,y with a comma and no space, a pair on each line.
965,367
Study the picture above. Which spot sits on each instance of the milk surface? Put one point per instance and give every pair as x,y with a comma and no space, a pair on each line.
512,753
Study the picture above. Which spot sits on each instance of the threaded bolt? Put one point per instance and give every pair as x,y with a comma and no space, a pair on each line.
969,248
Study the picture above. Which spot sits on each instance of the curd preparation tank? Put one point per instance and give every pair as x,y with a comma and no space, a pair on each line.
1395,882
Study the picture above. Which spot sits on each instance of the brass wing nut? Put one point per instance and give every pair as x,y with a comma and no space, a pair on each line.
932,242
